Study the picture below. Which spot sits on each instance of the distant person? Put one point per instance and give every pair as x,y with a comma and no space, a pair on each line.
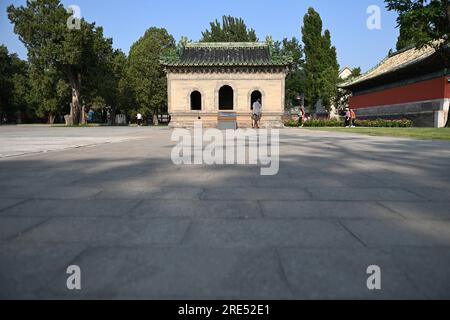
139,119
256,114
90,116
302,117
348,118
353,118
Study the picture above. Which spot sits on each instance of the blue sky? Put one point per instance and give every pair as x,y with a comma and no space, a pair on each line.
126,21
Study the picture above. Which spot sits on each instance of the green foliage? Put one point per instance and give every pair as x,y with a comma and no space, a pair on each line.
378,123
13,83
144,72
78,56
321,67
323,123
342,95
291,123
421,22
382,123
48,92
295,81
231,30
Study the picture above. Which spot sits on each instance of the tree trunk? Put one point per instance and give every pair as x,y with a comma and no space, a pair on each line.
155,118
83,120
75,83
113,116
51,118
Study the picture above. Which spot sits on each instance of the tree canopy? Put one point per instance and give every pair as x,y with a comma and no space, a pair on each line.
321,67
421,21
145,73
78,55
232,29
295,81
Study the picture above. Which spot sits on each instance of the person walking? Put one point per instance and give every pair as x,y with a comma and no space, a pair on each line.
348,118
353,118
302,116
256,114
139,119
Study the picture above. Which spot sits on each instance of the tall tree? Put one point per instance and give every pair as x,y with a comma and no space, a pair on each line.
48,93
232,29
6,86
13,84
75,53
295,81
145,72
321,67
421,21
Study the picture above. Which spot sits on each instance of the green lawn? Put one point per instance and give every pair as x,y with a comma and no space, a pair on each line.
418,133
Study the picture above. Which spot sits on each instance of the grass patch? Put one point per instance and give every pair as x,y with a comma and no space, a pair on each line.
417,133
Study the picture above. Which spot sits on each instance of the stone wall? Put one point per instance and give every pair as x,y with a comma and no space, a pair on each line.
432,113
181,85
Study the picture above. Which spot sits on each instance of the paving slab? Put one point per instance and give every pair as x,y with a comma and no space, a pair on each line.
407,232
255,194
327,210
363,194
197,209
268,233
71,208
421,210
27,268
101,231
176,273
342,274
14,227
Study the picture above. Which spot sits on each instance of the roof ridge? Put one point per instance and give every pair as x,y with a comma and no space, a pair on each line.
226,44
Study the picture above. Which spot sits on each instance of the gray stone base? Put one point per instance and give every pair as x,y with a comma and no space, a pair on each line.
431,113
210,120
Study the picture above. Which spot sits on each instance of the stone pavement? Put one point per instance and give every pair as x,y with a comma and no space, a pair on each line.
141,227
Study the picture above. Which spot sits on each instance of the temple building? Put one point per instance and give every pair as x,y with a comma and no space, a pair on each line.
409,84
214,81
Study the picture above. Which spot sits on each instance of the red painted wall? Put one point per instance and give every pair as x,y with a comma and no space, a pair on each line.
437,88
447,88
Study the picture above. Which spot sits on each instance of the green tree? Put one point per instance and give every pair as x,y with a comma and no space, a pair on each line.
321,67
343,96
76,54
13,84
6,86
421,21
295,81
232,29
48,93
145,73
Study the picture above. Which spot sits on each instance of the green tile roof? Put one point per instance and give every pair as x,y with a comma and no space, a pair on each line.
225,54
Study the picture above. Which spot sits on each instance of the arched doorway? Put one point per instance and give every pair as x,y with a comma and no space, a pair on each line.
196,101
226,98
256,95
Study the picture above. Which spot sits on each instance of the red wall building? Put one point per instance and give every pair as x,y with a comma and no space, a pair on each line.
412,84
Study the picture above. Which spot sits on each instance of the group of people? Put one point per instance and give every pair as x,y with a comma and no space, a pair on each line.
350,118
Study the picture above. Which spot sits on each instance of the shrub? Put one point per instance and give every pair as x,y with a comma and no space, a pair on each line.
291,123
323,123
382,123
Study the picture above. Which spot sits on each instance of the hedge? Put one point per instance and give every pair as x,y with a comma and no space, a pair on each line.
378,123
381,123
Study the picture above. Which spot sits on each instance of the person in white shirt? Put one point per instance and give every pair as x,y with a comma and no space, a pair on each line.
139,119
256,113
